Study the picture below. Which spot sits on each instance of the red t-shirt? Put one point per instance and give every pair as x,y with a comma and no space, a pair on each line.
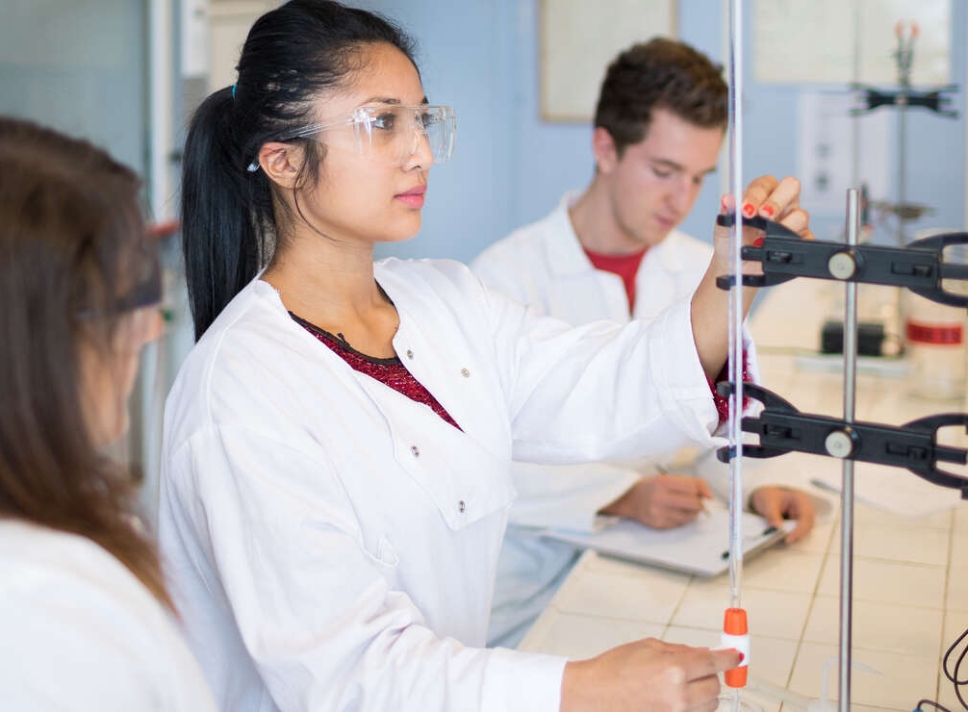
625,266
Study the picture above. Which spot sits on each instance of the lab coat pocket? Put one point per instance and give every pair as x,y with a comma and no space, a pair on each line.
465,481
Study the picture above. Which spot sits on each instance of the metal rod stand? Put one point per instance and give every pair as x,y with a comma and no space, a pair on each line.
847,497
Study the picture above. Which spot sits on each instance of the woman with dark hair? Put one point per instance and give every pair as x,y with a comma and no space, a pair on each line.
85,619
335,468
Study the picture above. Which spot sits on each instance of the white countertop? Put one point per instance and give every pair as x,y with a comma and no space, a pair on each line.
910,594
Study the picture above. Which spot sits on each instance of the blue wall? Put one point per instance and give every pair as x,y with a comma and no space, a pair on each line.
79,68
511,168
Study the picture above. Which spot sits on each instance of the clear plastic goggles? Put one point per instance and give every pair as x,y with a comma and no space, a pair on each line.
392,133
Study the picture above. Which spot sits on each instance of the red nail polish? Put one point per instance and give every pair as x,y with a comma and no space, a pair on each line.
758,242
748,210
767,210
742,657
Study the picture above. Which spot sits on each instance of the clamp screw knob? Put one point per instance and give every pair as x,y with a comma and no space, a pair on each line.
842,265
840,443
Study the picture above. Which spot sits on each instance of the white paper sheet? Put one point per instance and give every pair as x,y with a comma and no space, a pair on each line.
700,547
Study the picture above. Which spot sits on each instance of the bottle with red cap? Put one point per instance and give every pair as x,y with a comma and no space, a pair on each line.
934,341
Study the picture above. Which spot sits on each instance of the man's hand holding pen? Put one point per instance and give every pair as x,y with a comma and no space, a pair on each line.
662,501
666,500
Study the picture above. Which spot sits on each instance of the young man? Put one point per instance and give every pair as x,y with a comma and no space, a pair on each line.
613,252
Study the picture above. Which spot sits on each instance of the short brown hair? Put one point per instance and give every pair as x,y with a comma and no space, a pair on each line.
72,235
660,74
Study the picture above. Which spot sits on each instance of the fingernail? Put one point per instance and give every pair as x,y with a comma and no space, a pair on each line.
742,657
723,205
748,210
767,210
758,242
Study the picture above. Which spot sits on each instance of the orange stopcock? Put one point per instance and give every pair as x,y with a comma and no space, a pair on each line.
736,635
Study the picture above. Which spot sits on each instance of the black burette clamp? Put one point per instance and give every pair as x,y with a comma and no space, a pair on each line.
784,255
913,446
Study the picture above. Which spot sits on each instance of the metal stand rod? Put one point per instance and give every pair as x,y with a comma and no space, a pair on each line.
901,168
847,497
904,80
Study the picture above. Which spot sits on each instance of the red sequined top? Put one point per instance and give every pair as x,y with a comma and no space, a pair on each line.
721,402
388,371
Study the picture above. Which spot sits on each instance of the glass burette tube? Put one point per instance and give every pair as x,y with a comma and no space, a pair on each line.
735,317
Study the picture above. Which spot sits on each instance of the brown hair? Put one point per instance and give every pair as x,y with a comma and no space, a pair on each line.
659,74
72,237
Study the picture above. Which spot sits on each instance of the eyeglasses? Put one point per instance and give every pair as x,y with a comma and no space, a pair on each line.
391,133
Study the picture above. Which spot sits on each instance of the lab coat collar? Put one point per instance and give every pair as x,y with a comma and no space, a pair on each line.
567,256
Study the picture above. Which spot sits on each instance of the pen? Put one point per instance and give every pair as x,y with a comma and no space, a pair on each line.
702,504
766,532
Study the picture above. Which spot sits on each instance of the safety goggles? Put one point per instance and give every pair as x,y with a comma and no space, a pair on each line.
146,292
391,133
145,289
138,315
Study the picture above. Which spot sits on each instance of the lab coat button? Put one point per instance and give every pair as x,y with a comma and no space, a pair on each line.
465,373
415,450
461,506
409,354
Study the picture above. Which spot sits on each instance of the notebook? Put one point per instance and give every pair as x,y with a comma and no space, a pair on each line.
700,547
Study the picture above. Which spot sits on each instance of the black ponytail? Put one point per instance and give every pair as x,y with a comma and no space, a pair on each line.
229,228
223,250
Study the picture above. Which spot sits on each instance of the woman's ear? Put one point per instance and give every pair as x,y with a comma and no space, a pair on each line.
281,162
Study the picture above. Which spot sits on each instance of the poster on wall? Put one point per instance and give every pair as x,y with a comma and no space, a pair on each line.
842,41
577,41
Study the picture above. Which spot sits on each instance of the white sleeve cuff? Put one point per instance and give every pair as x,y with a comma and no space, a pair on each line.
686,396
523,682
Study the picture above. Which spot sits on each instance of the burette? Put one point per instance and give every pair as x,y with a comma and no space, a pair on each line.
735,627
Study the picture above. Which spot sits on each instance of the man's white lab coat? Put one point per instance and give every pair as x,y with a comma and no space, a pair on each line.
543,265
333,544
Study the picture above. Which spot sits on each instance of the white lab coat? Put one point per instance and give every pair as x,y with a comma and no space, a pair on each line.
78,631
543,265
333,543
